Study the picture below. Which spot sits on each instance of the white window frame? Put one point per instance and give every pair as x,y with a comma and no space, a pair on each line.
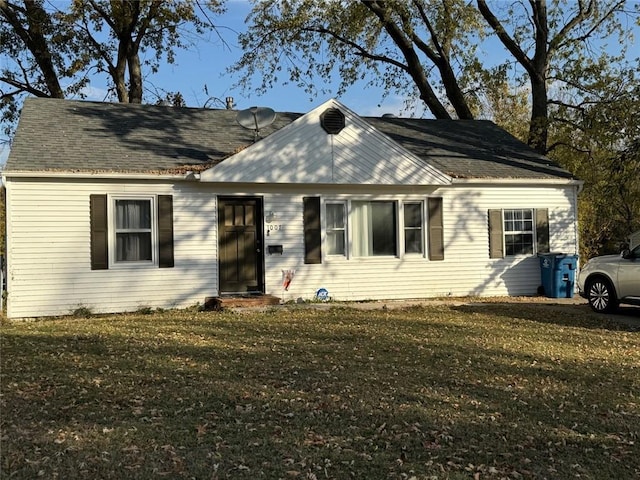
112,224
506,232
344,230
423,243
399,228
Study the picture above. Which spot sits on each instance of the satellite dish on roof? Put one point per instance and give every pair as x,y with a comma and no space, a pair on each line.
255,118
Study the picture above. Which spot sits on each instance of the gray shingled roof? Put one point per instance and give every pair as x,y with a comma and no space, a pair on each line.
64,135
469,148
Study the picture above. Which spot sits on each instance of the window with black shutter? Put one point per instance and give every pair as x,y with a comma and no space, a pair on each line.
131,231
518,231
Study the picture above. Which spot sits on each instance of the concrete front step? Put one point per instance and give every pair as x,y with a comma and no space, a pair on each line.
239,301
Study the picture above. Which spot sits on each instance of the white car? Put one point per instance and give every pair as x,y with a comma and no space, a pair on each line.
610,280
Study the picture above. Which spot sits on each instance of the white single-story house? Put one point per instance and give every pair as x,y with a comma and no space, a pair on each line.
634,239
118,207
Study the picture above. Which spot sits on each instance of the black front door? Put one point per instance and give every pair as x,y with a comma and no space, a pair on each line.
240,244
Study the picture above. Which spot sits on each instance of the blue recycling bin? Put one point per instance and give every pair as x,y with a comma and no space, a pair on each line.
558,274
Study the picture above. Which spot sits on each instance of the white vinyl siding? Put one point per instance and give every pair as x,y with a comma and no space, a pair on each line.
48,262
467,268
49,271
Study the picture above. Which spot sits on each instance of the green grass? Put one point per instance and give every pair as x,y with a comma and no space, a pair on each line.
443,392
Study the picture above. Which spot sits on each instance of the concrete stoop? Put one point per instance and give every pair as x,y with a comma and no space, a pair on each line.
239,301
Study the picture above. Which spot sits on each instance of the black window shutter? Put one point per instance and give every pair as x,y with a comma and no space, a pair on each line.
542,230
165,231
496,249
436,229
312,230
99,232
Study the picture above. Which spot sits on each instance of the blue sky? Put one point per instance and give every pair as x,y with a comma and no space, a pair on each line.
206,64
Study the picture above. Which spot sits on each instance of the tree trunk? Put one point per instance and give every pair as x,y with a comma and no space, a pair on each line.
539,125
35,41
452,87
118,73
135,77
427,94
414,66
123,20
536,67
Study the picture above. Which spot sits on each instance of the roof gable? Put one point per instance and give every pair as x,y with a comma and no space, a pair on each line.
304,152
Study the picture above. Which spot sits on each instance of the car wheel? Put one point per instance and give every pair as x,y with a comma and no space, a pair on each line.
601,295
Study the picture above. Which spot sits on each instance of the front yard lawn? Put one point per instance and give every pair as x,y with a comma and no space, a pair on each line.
485,391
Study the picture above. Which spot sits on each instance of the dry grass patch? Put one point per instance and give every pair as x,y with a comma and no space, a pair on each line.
442,391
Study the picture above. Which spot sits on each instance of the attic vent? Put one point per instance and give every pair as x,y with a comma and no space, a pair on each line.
332,120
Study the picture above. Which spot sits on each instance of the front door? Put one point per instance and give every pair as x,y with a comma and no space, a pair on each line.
240,244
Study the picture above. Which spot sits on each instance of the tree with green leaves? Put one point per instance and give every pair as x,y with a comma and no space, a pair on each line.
429,50
395,45
599,140
26,28
548,37
54,52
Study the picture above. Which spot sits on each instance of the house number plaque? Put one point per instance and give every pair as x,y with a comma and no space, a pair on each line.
274,228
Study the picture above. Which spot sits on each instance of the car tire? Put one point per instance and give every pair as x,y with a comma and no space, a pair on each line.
601,295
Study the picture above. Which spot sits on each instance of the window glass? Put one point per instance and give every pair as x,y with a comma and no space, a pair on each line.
250,215
335,229
518,232
374,228
413,228
133,230
229,215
